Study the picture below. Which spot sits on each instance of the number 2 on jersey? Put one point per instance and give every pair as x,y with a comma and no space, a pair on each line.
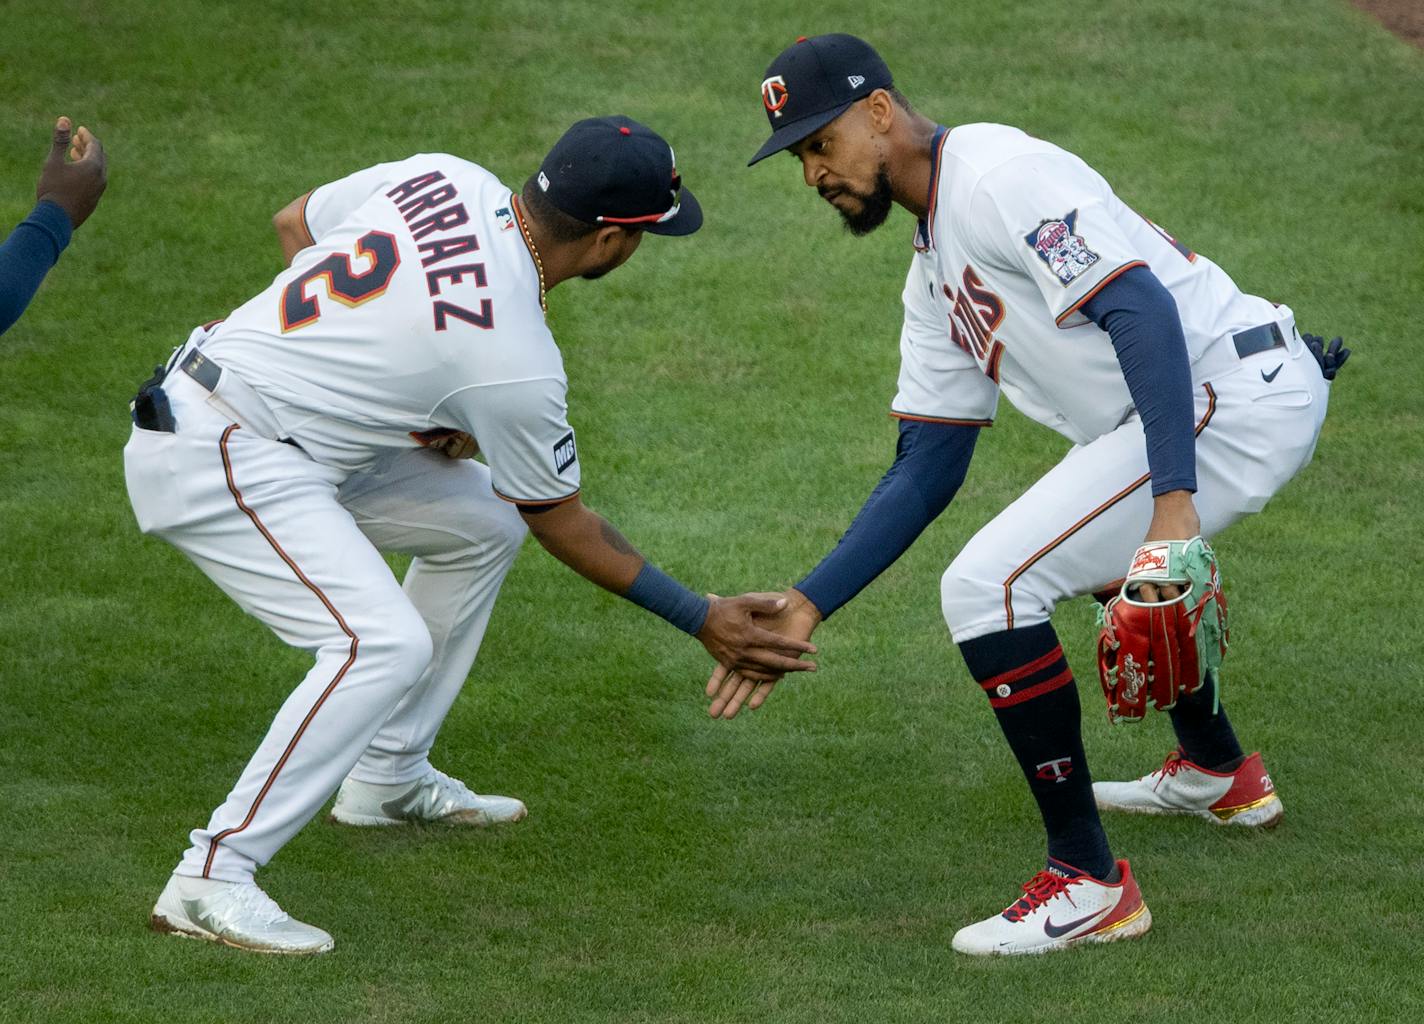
342,283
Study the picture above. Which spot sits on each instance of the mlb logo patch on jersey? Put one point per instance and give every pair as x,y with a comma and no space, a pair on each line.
565,455
1062,251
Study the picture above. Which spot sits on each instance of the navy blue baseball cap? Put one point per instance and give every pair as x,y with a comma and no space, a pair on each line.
613,170
814,81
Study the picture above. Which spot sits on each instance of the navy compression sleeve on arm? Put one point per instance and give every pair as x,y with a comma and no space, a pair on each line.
931,460
1141,318
27,256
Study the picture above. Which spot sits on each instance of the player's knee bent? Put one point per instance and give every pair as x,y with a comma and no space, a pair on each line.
965,599
399,642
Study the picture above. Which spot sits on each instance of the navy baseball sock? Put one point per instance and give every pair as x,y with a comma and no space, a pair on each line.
1206,739
1031,689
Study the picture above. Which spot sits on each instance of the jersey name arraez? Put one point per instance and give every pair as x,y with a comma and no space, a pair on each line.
1019,235
416,307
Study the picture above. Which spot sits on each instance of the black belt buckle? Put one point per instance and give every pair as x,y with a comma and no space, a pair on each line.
150,409
1258,339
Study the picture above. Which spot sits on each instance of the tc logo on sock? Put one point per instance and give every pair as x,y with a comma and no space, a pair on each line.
1058,769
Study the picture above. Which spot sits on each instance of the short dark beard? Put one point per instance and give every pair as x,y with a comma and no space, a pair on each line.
874,206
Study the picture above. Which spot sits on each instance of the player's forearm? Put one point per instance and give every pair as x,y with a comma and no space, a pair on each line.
27,256
930,465
592,547
1141,318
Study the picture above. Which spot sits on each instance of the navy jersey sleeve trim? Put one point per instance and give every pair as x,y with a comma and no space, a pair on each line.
1141,318
1081,306
931,460
27,256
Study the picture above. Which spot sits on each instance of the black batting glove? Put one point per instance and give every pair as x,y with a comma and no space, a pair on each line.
1331,358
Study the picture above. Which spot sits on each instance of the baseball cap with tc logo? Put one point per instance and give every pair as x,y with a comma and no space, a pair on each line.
613,170
814,81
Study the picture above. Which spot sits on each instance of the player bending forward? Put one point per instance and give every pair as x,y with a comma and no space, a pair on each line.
286,447
1189,404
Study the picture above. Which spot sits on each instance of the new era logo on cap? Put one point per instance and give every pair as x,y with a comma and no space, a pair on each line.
856,81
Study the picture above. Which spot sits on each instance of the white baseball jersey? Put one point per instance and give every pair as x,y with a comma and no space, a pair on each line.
417,307
1019,235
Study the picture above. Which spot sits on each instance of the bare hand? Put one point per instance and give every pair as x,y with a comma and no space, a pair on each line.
453,444
77,185
1174,517
730,690
733,634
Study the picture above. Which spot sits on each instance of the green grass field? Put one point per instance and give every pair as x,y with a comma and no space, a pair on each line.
811,862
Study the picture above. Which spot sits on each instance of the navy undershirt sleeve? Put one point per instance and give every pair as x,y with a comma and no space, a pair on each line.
27,255
931,460
1141,318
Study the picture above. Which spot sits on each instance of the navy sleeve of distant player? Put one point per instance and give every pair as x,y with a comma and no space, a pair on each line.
1141,318
931,460
27,255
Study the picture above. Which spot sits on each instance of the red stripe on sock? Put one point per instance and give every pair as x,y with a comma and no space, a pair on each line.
1015,674
1037,690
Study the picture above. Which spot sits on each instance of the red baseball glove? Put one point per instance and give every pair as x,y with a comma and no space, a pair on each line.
1160,651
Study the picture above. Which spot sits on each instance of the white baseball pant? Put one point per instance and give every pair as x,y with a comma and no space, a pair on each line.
1076,529
297,545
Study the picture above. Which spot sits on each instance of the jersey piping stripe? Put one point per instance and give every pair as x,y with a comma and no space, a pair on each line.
937,419
518,209
305,226
934,188
1100,286
340,673
536,501
1119,496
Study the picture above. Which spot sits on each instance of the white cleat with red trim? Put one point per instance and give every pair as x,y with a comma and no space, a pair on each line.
237,914
434,797
1060,907
1244,797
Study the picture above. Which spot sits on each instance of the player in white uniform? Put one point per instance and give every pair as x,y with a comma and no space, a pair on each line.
284,448
1189,404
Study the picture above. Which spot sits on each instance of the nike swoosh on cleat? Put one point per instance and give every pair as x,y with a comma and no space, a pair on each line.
1054,931
1268,377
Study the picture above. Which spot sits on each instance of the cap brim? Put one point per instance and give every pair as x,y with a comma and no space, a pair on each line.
790,134
688,219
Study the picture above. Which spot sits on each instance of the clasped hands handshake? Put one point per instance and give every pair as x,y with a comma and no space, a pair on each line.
756,639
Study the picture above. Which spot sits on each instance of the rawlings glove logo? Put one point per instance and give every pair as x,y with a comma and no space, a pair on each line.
1133,678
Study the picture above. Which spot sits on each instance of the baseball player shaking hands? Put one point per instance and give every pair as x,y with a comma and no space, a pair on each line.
284,448
1188,402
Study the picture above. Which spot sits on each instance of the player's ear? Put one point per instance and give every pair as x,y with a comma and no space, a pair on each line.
611,242
881,109
608,237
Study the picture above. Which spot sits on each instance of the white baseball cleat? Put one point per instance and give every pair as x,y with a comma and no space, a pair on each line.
1060,907
237,914
1243,797
435,797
